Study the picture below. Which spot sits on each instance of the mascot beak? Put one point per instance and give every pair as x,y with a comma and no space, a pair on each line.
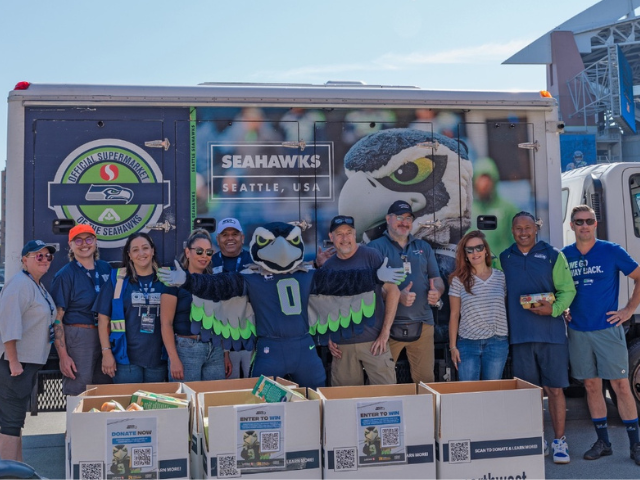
280,252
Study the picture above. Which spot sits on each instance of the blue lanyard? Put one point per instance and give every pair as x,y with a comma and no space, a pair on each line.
96,279
43,291
237,262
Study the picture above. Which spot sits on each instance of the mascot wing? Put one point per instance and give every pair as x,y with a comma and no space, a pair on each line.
232,320
340,317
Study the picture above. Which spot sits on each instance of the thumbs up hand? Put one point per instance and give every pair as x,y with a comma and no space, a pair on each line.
433,295
407,297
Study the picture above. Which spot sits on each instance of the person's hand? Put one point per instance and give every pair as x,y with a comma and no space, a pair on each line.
379,346
335,350
16,368
228,366
455,356
433,295
172,278
545,308
407,297
390,274
567,315
108,363
177,370
324,255
68,367
619,317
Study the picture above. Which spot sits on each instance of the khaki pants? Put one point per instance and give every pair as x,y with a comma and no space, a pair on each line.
347,371
419,353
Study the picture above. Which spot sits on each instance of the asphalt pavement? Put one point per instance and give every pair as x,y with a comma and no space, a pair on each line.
43,445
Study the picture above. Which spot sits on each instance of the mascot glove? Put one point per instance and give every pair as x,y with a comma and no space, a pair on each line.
391,275
172,278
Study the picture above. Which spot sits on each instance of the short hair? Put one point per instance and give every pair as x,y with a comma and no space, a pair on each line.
582,208
522,213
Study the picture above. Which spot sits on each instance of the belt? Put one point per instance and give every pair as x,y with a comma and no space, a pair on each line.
80,325
191,337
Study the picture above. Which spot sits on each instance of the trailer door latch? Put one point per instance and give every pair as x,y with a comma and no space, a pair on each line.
158,144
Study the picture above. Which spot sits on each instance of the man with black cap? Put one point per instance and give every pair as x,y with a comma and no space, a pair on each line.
413,325
368,350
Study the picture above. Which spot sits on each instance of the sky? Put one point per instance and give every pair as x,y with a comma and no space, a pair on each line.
451,45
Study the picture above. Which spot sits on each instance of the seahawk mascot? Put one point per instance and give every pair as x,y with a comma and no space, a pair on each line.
282,291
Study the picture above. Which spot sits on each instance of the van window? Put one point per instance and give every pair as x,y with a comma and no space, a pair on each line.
565,201
634,191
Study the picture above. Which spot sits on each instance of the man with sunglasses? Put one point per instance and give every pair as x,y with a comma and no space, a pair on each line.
421,289
597,345
232,257
368,350
537,335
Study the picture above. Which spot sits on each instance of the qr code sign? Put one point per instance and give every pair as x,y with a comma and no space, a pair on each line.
269,441
459,451
344,459
91,470
390,437
227,466
141,457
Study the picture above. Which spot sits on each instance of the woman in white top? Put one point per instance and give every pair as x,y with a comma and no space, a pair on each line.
478,332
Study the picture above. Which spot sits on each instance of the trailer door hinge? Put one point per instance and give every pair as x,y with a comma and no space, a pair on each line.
158,144
301,145
166,226
530,145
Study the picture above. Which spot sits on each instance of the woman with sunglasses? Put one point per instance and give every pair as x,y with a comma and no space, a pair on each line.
191,359
27,312
128,309
478,332
74,289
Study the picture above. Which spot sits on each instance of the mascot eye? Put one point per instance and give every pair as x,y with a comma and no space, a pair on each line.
261,241
413,172
295,241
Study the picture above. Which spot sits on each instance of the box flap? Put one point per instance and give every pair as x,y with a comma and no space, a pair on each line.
367,391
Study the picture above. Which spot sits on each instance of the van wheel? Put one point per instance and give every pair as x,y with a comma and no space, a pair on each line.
634,370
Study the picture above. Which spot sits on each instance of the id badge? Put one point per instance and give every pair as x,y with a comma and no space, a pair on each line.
52,333
147,323
407,267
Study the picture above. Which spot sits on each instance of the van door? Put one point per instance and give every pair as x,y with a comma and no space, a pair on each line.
631,219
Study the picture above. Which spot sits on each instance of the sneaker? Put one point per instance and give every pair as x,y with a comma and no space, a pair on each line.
597,450
635,453
561,450
546,449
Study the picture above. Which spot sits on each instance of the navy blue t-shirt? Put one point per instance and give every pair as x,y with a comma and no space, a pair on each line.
74,290
230,264
144,348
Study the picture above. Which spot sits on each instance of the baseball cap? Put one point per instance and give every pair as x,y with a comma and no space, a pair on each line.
36,245
228,223
341,220
399,207
81,228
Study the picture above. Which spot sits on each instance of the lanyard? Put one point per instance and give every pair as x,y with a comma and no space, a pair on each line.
239,259
43,291
145,289
96,278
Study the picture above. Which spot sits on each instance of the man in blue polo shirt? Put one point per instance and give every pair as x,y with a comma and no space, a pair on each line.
597,345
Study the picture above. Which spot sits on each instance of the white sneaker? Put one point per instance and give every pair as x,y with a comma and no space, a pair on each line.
546,449
560,450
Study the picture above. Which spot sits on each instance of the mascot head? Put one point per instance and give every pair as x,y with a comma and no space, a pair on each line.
277,247
371,433
250,437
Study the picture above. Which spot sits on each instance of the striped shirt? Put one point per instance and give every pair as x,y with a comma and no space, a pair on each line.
482,313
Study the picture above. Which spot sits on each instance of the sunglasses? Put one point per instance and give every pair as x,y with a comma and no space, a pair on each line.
401,218
341,220
589,221
88,241
41,256
477,248
200,251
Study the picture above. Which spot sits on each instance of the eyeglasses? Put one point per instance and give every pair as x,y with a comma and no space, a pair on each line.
343,219
41,256
476,248
89,241
579,221
401,218
200,251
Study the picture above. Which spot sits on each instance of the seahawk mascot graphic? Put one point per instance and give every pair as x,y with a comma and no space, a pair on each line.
282,301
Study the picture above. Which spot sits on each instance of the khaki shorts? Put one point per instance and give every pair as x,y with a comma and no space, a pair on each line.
599,354
419,353
348,370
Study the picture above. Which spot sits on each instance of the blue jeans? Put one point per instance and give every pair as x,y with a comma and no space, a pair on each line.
482,359
200,360
138,374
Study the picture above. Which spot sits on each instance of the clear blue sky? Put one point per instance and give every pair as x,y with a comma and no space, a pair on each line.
449,44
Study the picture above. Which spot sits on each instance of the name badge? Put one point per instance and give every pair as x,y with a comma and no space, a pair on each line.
407,267
147,323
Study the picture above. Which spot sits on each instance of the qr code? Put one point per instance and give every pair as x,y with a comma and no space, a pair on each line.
344,459
459,451
141,457
227,466
91,470
390,437
269,442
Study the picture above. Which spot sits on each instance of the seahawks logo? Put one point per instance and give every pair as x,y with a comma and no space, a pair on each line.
99,193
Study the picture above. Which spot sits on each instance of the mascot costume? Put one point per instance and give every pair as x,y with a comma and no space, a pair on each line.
288,302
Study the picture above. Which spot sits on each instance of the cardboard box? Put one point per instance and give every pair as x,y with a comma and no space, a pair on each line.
247,436
488,429
192,389
378,431
111,390
114,444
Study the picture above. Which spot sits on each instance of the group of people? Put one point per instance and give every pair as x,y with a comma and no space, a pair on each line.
127,325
